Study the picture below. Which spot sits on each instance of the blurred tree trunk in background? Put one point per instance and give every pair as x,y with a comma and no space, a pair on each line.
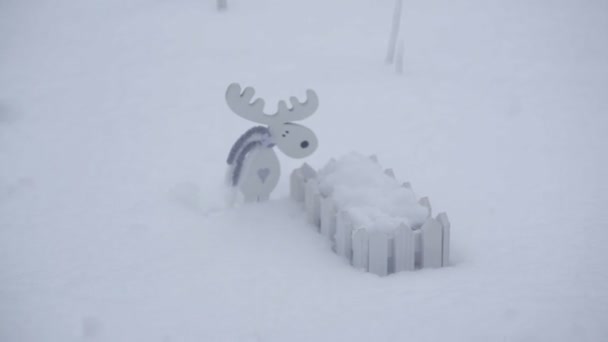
222,5
392,42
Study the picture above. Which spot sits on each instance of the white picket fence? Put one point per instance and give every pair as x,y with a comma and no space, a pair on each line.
402,248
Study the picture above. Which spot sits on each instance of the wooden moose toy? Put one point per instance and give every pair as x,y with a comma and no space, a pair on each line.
253,166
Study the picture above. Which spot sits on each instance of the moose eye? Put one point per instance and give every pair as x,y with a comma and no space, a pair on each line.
304,144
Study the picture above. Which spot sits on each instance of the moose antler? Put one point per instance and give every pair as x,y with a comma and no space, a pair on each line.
240,103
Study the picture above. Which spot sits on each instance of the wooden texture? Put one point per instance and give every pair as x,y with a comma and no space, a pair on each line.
445,224
378,253
344,229
360,249
405,249
432,243
296,186
328,217
312,200
261,165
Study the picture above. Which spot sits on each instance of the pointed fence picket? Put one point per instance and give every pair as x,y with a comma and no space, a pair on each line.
381,252
298,180
425,202
445,224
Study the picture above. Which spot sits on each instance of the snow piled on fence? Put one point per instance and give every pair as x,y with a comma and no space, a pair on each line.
374,200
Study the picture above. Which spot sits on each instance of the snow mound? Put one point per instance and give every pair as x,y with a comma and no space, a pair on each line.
374,200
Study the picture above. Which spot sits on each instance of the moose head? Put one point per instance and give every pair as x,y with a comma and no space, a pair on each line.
294,140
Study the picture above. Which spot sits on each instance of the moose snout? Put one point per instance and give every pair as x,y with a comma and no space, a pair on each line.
294,140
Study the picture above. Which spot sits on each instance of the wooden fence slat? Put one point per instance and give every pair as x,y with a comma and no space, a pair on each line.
378,253
360,249
312,200
308,172
405,249
445,224
432,243
425,202
297,186
308,200
344,229
417,248
328,217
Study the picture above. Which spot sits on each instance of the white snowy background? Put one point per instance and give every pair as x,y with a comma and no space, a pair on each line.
114,134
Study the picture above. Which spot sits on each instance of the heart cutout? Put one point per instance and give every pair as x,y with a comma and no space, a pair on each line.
263,174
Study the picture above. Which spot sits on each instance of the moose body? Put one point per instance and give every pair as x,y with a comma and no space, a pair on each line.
261,174
254,167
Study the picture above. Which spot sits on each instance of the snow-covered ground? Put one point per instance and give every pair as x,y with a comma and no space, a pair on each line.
114,133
